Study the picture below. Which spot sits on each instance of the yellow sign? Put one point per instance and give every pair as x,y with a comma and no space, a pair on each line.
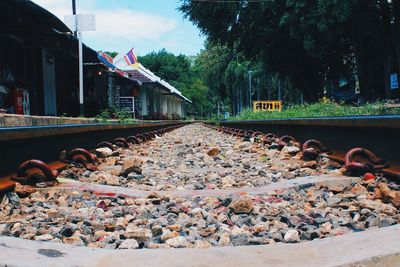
273,105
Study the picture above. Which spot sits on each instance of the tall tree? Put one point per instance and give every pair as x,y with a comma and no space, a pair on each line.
179,72
312,42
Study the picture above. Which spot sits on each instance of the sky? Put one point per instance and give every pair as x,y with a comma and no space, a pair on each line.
145,25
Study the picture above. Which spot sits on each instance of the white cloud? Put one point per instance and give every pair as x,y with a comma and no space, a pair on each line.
122,26
131,25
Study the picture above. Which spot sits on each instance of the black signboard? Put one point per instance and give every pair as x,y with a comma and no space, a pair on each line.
127,103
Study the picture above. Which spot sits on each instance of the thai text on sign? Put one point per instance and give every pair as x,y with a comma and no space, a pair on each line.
275,105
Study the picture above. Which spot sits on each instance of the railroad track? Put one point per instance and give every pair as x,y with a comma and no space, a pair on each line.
232,184
41,147
364,137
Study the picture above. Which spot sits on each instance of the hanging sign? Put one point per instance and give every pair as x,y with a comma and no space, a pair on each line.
81,22
268,105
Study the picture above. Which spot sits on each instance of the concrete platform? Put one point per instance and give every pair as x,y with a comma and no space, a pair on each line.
379,247
302,182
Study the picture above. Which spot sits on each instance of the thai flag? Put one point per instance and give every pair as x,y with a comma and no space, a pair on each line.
130,58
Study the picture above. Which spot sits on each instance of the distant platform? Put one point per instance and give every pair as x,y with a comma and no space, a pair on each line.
14,120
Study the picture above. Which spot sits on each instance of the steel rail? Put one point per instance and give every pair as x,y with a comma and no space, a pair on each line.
44,143
379,134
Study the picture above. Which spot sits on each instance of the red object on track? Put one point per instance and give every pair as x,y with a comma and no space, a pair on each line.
369,176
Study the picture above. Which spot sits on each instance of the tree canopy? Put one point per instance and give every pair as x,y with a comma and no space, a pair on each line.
313,43
180,73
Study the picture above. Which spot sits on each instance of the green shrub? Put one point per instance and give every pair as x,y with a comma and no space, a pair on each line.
324,108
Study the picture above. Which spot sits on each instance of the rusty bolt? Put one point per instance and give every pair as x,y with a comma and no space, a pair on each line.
312,148
105,144
49,174
360,160
121,142
81,155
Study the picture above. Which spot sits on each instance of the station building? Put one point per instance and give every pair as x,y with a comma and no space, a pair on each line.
156,99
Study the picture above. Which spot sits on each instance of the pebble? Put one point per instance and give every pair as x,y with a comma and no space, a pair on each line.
73,240
129,244
177,161
292,236
243,205
103,152
45,237
177,242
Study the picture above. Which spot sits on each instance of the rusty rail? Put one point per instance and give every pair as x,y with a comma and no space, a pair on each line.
51,148
374,136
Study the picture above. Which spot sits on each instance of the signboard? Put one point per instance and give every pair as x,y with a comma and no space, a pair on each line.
394,82
127,103
21,102
86,22
273,105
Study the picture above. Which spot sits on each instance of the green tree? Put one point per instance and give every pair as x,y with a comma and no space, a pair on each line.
314,43
180,72
111,54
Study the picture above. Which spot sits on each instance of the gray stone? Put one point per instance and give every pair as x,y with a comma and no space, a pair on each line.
385,222
129,244
103,152
177,242
292,236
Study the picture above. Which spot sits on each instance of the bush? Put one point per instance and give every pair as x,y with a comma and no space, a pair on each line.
113,113
324,108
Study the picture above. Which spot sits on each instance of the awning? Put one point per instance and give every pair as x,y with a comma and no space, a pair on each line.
106,59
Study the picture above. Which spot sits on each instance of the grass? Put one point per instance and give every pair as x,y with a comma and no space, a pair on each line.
111,114
324,108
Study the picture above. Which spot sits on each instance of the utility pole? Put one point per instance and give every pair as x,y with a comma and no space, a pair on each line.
74,13
81,108
78,34
80,23
250,72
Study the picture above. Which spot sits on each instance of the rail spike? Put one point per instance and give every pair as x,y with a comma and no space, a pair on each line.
141,137
133,140
121,142
148,136
81,155
49,174
360,160
312,148
256,134
269,138
284,141
105,144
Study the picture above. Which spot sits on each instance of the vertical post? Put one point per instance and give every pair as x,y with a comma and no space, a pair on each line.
81,113
279,90
74,13
73,7
250,72
218,108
